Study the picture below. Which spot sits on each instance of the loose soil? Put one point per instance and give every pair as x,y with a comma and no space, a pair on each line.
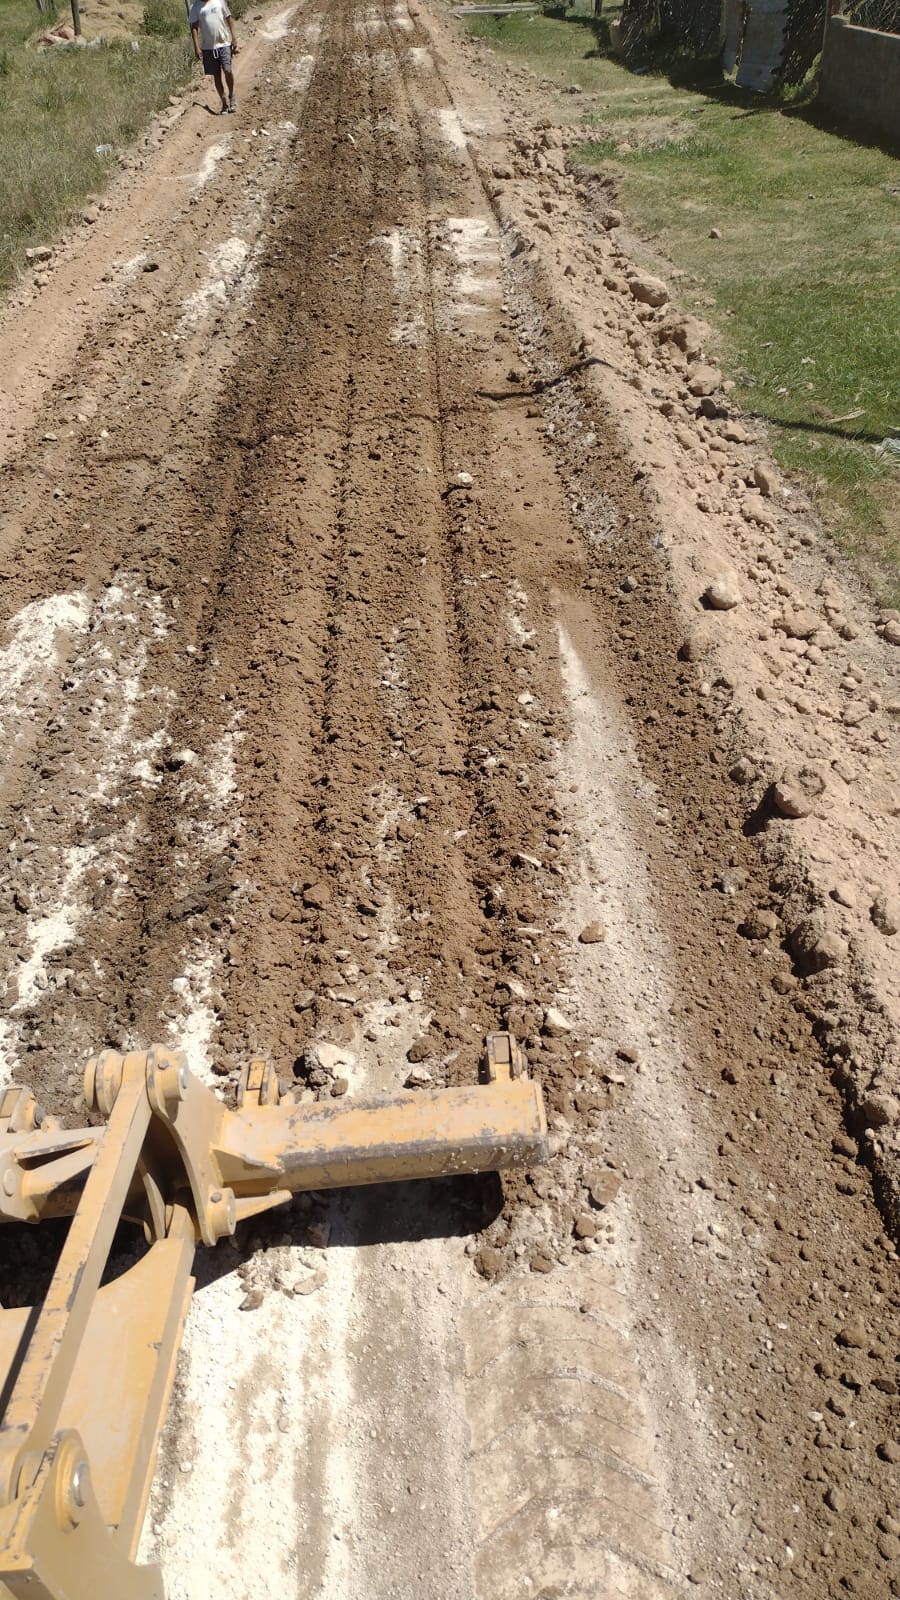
356,516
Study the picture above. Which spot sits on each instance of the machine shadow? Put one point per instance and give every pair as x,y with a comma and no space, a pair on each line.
374,1214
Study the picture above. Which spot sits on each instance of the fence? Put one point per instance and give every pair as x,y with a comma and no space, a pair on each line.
771,42
882,15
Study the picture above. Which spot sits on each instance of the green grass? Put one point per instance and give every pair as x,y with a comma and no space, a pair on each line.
803,287
56,107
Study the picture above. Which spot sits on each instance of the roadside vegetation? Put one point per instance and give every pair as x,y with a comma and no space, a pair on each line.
786,236
66,114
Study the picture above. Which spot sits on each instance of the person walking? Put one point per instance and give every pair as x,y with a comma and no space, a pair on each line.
212,31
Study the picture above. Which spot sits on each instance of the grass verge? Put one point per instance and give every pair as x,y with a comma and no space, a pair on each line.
803,284
65,115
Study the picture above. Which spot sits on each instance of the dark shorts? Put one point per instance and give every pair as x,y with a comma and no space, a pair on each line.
217,60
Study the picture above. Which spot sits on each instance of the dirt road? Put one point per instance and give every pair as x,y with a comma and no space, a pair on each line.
348,697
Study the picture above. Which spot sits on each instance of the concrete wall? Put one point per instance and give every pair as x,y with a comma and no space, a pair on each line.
861,77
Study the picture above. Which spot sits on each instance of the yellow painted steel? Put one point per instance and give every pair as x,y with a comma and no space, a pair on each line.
86,1377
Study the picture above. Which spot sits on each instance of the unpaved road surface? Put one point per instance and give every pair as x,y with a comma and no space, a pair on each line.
356,687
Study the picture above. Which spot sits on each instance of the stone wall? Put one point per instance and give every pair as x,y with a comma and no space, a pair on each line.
861,77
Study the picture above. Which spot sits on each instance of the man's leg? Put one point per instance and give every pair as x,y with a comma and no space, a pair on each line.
229,81
217,79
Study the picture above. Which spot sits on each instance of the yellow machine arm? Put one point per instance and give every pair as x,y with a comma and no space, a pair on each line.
77,1449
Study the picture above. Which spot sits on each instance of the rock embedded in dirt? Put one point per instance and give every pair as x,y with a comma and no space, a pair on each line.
489,1261
612,219
603,1188
419,1078
593,933
764,478
694,646
853,1335
889,1450
798,789
817,947
743,772
252,1300
308,1285
798,623
420,1049
844,894
885,914
723,593
541,1262
880,1110
555,1025
585,1226
704,380
649,291
891,634
759,925
317,896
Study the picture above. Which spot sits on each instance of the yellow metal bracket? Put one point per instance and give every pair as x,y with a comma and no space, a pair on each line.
86,1375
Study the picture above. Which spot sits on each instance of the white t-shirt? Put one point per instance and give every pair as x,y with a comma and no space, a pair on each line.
211,16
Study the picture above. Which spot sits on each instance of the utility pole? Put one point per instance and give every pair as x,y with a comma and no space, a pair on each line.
76,19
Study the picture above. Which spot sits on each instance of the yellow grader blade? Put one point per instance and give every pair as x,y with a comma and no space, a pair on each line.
86,1375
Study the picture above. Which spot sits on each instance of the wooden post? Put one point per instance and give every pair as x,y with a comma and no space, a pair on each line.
76,19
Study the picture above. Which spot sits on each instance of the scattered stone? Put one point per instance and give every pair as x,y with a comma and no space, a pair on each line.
419,1050
890,1451
317,896
835,1498
879,1110
39,252
888,1547
648,290
325,1057
723,593
795,793
304,1000
627,1052
339,1087
603,1188
308,1285
817,948
843,1145
585,1226
844,893
885,913
612,219
540,1262
461,480
704,379
853,1335
151,264
759,925
555,1025
891,633
799,624
489,1261
499,170
764,478
594,933
419,1078
629,584
743,771
694,646
715,233
252,1300
91,215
